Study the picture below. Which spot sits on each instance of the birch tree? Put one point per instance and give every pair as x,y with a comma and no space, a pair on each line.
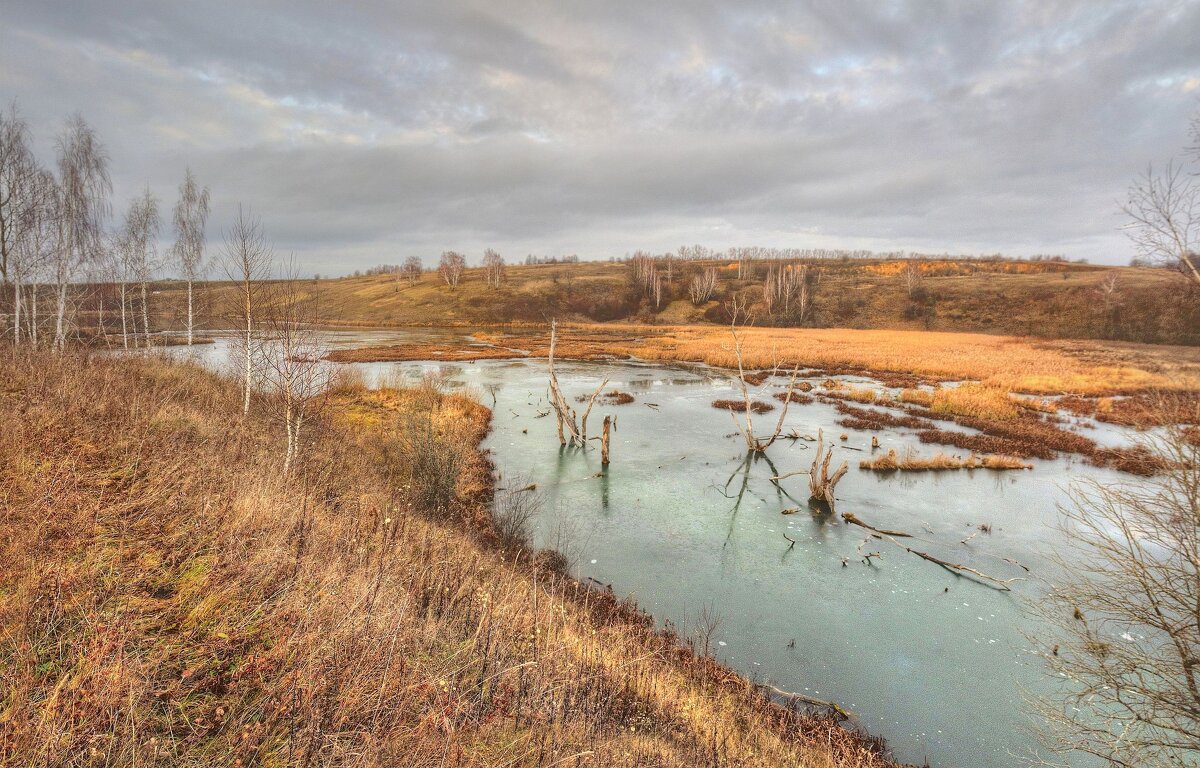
82,205
412,269
450,268
138,241
296,370
17,168
247,262
494,271
191,215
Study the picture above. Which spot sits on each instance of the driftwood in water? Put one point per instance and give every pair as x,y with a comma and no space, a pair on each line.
821,484
850,518
806,699
956,568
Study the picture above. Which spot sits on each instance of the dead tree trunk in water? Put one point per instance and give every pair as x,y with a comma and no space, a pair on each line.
821,485
562,412
604,441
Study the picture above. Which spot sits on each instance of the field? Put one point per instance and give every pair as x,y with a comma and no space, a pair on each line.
168,597
1040,299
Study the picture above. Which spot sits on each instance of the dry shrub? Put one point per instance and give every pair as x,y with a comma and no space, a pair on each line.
514,509
617,397
755,378
793,396
739,406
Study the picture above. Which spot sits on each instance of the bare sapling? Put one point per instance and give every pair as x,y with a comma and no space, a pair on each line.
296,371
754,443
191,214
247,262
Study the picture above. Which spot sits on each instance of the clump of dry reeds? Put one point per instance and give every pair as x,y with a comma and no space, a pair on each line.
911,462
793,396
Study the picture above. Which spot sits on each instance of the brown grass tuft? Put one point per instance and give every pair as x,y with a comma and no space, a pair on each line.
911,462
739,406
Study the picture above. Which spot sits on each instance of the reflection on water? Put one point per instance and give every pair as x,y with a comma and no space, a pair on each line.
684,518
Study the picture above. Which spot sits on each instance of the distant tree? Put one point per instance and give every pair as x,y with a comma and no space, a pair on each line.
912,277
1164,215
494,269
412,269
191,214
450,268
83,189
702,286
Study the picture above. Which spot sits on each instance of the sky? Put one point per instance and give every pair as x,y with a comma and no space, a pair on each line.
365,131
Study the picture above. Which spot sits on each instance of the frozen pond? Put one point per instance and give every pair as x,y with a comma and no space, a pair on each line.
935,663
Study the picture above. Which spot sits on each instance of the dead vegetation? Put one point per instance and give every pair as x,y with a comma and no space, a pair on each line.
909,461
739,406
168,597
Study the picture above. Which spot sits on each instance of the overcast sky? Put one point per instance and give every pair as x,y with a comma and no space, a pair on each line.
364,132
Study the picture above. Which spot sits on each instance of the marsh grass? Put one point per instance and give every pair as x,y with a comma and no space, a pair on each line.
909,461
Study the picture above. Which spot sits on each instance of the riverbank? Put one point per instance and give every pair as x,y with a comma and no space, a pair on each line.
168,595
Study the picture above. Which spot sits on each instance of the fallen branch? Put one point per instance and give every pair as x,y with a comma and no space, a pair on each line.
956,568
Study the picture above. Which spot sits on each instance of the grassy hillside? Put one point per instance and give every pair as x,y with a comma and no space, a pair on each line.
1046,299
168,598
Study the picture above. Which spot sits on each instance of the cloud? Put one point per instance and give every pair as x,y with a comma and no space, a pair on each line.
364,132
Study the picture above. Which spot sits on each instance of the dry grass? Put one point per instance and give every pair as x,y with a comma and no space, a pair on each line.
167,598
911,462
898,357
739,406
975,401
1011,363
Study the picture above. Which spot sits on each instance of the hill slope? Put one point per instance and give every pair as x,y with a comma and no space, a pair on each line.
167,598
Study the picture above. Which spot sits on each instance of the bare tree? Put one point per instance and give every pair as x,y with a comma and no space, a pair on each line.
247,262
296,370
911,277
1164,215
1127,645
17,168
412,269
139,254
450,268
35,249
83,189
191,215
702,286
754,444
493,268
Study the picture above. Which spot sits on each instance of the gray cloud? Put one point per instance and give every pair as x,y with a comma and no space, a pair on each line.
363,132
